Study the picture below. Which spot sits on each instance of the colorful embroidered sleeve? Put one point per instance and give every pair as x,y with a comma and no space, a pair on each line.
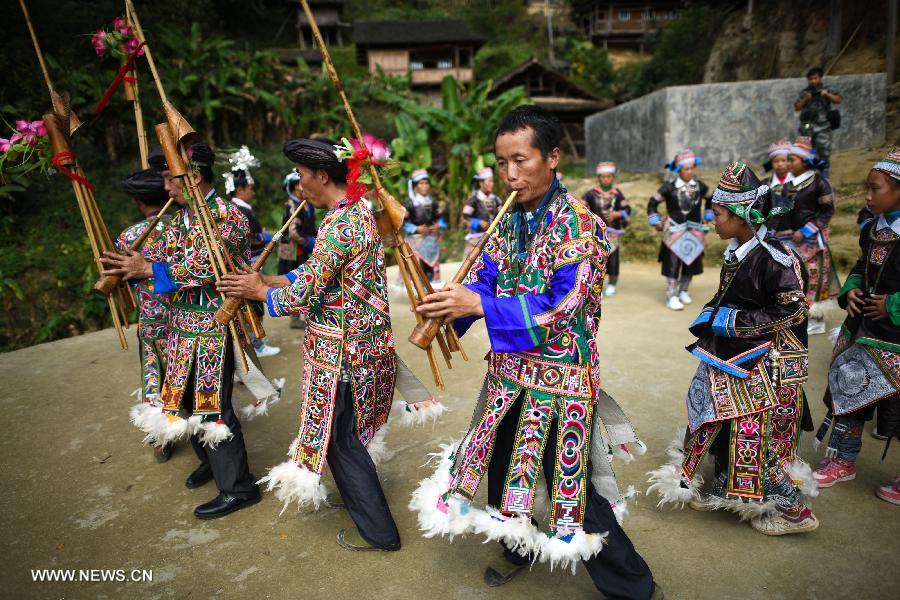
517,323
311,280
784,286
482,277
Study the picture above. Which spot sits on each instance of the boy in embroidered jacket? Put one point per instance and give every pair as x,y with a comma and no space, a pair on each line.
745,403
148,190
607,202
425,224
348,352
868,346
687,203
807,228
538,286
481,208
196,394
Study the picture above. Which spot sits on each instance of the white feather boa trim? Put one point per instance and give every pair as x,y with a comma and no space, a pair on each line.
162,429
801,474
261,407
417,413
293,483
457,516
377,447
669,482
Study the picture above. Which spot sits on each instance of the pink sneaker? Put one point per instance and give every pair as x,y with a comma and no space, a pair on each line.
890,492
833,471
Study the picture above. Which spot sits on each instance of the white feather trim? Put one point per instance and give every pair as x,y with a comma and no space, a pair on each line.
746,510
212,433
669,482
620,506
801,474
293,483
377,448
142,413
257,409
456,516
417,413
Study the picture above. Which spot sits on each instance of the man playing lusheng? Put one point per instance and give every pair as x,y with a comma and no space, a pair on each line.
349,363
537,410
196,394
148,190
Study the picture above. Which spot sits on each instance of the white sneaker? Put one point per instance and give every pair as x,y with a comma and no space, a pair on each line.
266,350
815,326
610,290
674,303
684,298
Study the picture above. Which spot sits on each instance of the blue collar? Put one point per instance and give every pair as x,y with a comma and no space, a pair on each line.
892,216
527,223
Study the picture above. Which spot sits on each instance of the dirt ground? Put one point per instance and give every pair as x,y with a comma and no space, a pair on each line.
83,493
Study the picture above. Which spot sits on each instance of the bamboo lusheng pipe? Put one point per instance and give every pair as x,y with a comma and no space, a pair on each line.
391,212
425,332
176,161
84,198
229,308
107,283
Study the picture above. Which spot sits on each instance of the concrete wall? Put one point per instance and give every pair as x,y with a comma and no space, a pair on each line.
727,121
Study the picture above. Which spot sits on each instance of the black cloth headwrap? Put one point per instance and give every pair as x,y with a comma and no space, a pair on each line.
202,155
240,177
157,159
311,153
146,186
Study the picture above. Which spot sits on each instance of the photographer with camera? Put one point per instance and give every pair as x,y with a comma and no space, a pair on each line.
817,117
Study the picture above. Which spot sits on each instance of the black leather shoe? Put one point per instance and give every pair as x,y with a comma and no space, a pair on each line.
224,504
201,476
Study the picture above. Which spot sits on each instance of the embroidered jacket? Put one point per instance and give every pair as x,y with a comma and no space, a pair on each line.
877,272
153,313
813,203
684,201
604,202
759,303
541,302
182,268
479,211
342,288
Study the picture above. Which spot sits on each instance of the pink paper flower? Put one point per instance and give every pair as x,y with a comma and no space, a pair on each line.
133,44
98,40
121,25
378,148
29,131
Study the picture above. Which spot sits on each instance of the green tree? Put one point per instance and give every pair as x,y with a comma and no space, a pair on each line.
462,128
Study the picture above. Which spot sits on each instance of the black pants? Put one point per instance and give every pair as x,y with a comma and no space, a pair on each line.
355,476
228,460
618,570
612,264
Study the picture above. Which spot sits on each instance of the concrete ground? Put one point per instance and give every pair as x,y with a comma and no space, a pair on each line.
83,493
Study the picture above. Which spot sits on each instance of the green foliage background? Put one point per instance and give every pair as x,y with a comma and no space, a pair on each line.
212,58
